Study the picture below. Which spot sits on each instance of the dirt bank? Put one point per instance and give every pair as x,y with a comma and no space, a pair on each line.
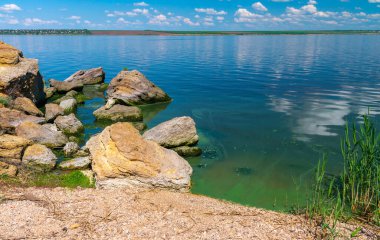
43,213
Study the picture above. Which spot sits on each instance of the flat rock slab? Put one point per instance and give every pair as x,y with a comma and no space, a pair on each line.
133,88
41,134
12,147
88,77
10,119
119,113
79,163
52,111
122,158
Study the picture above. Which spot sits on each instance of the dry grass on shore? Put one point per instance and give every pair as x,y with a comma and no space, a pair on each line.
58,213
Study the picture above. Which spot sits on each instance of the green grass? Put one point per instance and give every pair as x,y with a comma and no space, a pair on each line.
69,180
4,101
355,193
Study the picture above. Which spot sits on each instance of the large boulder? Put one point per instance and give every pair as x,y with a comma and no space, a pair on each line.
39,157
12,147
122,158
69,124
69,105
79,79
119,113
133,88
10,119
41,134
176,134
52,111
27,106
20,77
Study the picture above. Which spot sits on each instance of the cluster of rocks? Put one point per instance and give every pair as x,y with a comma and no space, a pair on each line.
120,156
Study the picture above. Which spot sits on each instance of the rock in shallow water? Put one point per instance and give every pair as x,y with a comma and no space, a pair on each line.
119,113
69,124
70,149
79,79
133,88
122,158
41,134
69,105
39,157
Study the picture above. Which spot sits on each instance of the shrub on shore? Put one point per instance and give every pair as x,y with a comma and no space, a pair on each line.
355,193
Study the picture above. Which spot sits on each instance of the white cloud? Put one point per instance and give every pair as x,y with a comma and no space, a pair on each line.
219,18
87,22
10,8
74,18
210,11
374,1
159,20
141,4
143,11
281,0
243,15
13,21
38,21
309,8
259,7
190,23
312,2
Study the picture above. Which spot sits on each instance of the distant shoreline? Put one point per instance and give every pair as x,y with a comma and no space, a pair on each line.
175,33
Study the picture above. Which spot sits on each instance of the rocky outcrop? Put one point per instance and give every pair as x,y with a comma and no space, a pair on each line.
10,119
69,105
69,124
39,157
175,133
119,113
52,111
41,134
133,88
12,147
79,79
49,92
79,163
27,106
7,169
9,54
70,149
188,151
20,77
122,158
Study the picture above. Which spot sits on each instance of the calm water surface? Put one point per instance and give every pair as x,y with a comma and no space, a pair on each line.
266,106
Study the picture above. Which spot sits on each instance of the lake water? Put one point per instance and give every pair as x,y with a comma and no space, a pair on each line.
266,106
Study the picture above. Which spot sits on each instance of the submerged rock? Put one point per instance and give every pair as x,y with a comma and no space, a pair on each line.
39,157
69,124
79,163
119,113
12,147
70,149
20,77
41,134
52,111
133,88
176,134
10,119
69,105
7,169
27,106
79,79
122,158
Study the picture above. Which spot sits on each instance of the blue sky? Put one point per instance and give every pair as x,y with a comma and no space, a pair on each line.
191,14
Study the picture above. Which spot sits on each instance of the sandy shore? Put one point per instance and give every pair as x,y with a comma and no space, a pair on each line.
43,213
